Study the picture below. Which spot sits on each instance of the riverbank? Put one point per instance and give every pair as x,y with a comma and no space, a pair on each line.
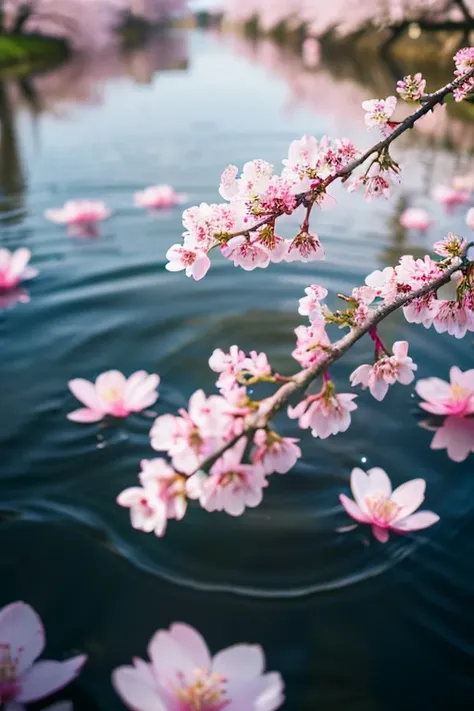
24,52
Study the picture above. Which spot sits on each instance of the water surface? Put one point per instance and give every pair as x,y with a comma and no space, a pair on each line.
348,622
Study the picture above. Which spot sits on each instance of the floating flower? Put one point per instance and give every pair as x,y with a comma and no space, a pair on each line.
14,269
158,197
386,371
22,639
162,496
378,113
450,197
182,676
453,398
113,394
194,261
384,510
230,486
414,218
81,216
275,453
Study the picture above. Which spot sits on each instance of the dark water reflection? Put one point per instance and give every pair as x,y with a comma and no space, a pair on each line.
349,623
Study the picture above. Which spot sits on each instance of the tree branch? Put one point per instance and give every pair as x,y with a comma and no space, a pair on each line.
271,405
429,102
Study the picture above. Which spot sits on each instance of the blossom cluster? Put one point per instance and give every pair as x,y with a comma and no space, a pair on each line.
464,61
243,228
236,479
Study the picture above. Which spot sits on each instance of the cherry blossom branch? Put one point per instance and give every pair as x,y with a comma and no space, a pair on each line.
301,380
429,101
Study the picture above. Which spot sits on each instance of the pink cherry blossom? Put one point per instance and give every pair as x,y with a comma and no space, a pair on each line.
312,344
311,49
326,413
275,453
310,305
245,253
376,504
182,676
14,269
81,216
157,197
229,365
453,398
113,394
379,112
456,435
470,218
411,88
195,434
161,497
450,246
464,61
257,365
194,261
414,218
202,223
386,371
230,486
310,160
422,310
376,182
22,640
454,317
305,247
450,197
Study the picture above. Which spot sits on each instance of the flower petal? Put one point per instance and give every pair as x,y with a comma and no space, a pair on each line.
134,691
381,534
379,481
360,484
46,676
242,661
168,655
193,642
85,392
85,415
110,380
353,510
22,630
417,521
409,496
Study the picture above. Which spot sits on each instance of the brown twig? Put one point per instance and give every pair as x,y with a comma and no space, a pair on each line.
299,382
429,102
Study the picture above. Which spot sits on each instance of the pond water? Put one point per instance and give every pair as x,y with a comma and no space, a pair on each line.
348,622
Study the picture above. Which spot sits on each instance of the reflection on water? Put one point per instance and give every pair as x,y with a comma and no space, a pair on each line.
335,612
